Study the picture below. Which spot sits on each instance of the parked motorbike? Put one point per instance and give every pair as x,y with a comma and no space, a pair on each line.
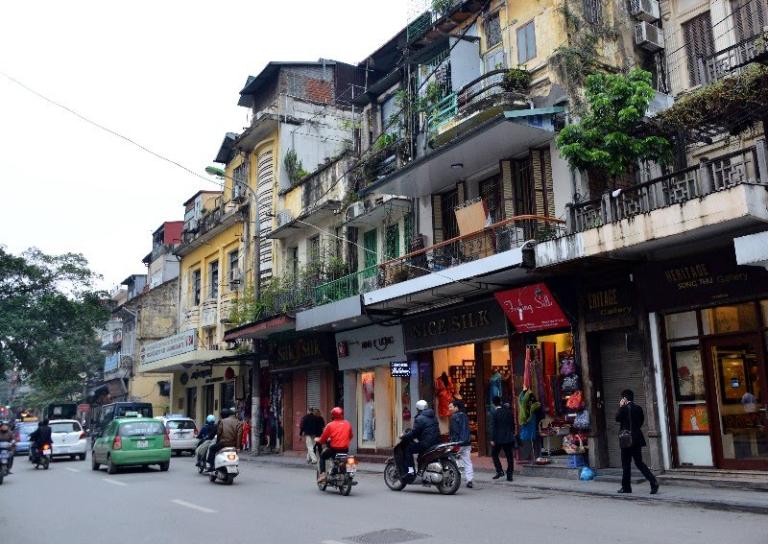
438,466
41,457
342,473
225,466
5,459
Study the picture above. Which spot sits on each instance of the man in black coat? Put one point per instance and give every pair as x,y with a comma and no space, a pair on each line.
312,426
630,418
502,437
425,429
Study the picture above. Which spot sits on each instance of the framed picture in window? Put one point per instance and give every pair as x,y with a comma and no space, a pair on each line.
687,373
694,419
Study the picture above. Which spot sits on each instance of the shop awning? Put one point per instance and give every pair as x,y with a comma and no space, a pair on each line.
532,308
261,329
183,361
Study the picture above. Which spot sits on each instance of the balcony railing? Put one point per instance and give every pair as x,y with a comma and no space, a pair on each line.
501,236
729,60
209,221
744,166
356,283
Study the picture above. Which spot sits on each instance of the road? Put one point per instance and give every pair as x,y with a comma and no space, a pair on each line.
270,504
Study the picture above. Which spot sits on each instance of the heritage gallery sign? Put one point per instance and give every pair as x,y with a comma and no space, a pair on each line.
177,344
456,325
532,308
607,304
700,280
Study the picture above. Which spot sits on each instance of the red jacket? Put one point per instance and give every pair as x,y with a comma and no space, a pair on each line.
340,433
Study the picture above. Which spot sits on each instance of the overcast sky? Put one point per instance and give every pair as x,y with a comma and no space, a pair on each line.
165,73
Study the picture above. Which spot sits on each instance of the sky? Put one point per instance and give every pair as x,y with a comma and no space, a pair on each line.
165,73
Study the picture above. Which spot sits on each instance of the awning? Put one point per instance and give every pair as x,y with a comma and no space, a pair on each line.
183,361
261,329
532,308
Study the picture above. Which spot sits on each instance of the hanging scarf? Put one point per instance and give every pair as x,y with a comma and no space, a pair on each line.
528,406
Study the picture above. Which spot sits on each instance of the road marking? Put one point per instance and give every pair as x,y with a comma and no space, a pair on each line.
71,469
113,482
193,506
331,542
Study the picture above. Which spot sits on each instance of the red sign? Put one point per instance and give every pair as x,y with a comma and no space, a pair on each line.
532,308
83,408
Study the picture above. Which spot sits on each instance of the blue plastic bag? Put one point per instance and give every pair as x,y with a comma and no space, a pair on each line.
586,474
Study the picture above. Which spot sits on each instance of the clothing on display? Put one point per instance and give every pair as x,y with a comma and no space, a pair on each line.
445,391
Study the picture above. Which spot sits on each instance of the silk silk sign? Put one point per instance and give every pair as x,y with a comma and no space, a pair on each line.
532,308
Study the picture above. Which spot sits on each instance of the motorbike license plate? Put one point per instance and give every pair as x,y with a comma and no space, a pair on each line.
142,444
47,453
232,470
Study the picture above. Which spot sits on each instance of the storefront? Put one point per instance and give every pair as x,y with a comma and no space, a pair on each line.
303,375
207,389
711,328
463,352
377,384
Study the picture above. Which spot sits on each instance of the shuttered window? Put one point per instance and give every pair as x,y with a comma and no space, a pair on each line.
449,201
369,243
490,192
700,43
492,28
393,241
313,388
749,17
526,43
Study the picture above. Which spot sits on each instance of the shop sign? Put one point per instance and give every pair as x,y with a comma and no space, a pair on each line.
170,346
608,303
456,325
700,280
400,369
369,346
532,308
303,350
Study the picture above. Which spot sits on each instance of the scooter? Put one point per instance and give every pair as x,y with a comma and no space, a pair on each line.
437,466
225,466
342,473
5,459
41,457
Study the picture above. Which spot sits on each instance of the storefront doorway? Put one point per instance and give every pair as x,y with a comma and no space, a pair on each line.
209,407
736,374
192,403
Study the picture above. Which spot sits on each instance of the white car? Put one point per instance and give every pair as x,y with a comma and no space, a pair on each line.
68,438
183,433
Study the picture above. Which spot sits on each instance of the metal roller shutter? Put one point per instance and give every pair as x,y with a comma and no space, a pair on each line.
622,369
313,388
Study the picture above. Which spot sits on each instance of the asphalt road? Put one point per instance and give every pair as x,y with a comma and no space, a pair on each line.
268,504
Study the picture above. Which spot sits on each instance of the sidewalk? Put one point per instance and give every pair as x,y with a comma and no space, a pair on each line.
733,500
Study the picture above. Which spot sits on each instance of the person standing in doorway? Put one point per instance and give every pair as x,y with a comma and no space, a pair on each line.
630,418
502,437
459,432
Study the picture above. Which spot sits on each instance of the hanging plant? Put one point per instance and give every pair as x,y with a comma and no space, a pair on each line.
516,80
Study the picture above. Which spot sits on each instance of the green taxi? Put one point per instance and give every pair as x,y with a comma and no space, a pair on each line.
132,441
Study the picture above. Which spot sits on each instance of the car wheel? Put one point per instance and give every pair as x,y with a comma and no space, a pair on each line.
111,467
164,467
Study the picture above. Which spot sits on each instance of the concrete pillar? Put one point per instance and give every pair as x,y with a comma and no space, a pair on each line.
706,183
350,405
762,158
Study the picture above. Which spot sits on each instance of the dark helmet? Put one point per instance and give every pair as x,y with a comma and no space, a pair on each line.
337,413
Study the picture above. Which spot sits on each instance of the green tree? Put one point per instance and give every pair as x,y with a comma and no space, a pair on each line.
49,313
608,140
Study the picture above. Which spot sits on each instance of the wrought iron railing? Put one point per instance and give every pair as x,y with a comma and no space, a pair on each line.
731,59
356,283
710,176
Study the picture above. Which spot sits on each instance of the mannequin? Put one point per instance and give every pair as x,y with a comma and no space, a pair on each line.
445,391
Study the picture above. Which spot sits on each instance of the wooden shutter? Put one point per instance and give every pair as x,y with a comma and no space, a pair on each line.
369,243
507,189
461,192
437,219
700,43
749,17
544,197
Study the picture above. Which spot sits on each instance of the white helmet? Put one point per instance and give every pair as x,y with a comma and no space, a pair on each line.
422,405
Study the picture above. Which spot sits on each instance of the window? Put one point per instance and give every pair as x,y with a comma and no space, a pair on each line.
393,241
313,250
388,110
234,270
699,43
749,17
593,11
492,27
450,226
213,279
526,43
240,180
490,192
196,287
369,243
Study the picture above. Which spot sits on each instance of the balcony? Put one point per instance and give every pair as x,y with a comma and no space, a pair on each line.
731,59
111,339
435,23
350,285
724,196
200,231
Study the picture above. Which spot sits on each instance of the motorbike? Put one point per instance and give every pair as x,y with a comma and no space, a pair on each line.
437,466
225,466
200,460
5,459
41,457
342,473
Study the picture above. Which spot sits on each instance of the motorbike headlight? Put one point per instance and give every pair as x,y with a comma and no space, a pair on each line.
351,461
231,456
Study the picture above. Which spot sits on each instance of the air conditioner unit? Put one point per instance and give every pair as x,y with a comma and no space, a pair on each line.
238,192
645,10
649,37
234,280
356,210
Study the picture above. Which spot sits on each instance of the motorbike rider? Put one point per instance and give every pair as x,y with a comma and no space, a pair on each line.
40,437
339,431
424,435
229,434
6,435
205,438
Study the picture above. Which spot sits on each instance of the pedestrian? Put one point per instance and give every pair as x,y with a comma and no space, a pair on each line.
502,437
310,428
458,430
246,434
630,418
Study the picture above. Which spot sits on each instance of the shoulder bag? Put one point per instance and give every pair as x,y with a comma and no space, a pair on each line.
625,436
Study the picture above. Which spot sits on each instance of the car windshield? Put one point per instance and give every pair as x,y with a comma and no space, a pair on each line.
141,428
65,427
26,430
180,424
144,411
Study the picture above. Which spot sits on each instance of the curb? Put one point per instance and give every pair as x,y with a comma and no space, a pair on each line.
748,508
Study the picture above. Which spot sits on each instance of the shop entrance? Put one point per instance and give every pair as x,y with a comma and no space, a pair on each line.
208,399
739,423
192,403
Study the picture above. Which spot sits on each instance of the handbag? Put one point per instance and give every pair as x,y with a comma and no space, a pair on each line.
625,436
582,420
570,384
575,401
574,444
567,367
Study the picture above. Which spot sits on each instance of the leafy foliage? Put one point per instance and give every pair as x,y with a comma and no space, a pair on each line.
607,139
49,313
293,166
517,80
